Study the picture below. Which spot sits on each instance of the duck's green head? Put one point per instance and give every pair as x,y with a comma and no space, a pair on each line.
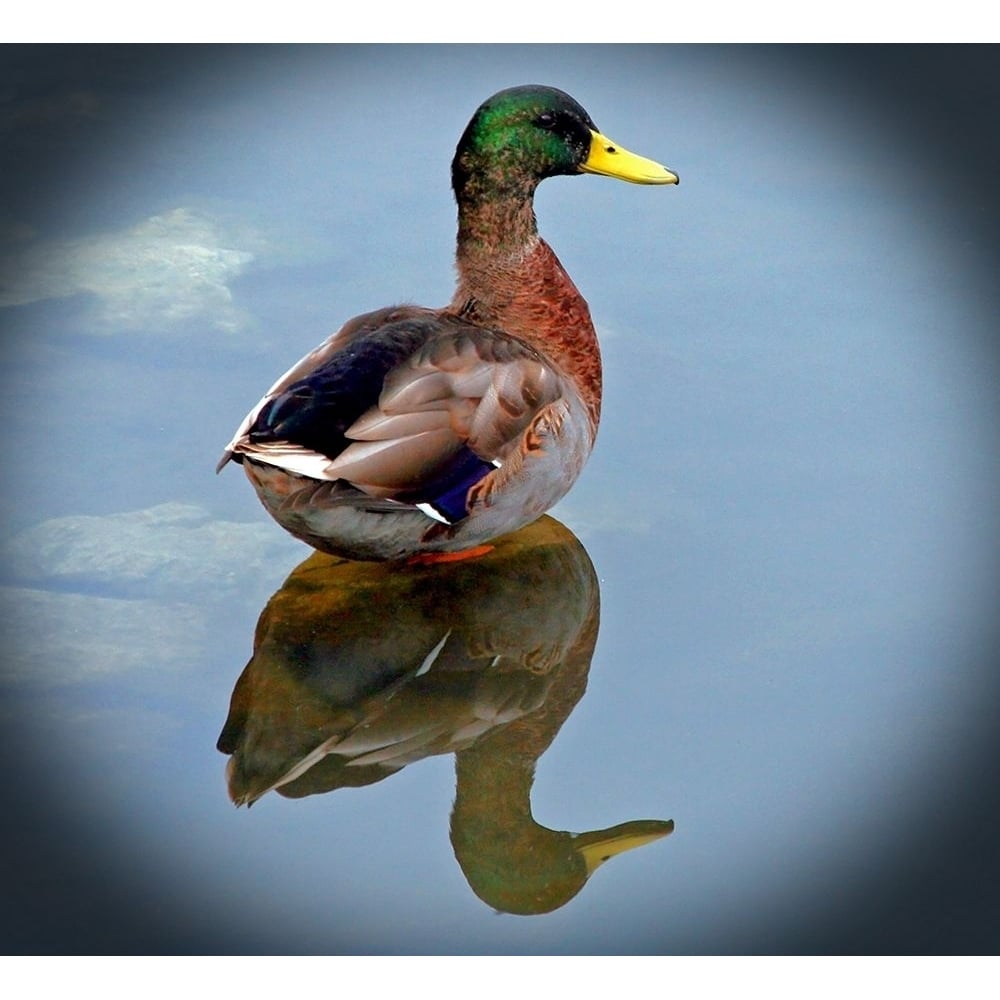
525,134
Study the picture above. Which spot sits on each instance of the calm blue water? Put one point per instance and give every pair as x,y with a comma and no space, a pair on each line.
769,614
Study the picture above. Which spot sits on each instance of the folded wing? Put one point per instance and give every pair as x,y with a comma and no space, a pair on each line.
415,411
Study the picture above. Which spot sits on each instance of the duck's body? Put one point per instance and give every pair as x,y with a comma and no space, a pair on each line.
420,431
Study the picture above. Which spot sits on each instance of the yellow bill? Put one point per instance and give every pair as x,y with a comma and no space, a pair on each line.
599,846
611,160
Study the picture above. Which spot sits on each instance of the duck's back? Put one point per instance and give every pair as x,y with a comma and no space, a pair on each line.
407,412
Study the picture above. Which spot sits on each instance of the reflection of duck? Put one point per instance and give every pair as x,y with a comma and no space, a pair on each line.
419,430
512,862
359,670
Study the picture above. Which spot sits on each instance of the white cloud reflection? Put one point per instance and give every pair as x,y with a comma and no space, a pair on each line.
93,597
57,638
173,550
165,270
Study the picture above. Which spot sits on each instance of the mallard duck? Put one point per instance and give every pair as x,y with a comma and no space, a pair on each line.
416,432
360,669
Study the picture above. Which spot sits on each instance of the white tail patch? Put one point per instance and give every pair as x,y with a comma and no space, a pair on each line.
431,512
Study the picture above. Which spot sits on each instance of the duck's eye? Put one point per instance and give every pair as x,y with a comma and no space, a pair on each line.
546,120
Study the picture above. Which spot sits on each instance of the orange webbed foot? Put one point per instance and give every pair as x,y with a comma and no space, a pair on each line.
432,558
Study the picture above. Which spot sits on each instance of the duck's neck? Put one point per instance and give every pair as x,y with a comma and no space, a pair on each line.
509,279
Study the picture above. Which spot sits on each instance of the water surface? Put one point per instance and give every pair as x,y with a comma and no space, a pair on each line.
754,645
